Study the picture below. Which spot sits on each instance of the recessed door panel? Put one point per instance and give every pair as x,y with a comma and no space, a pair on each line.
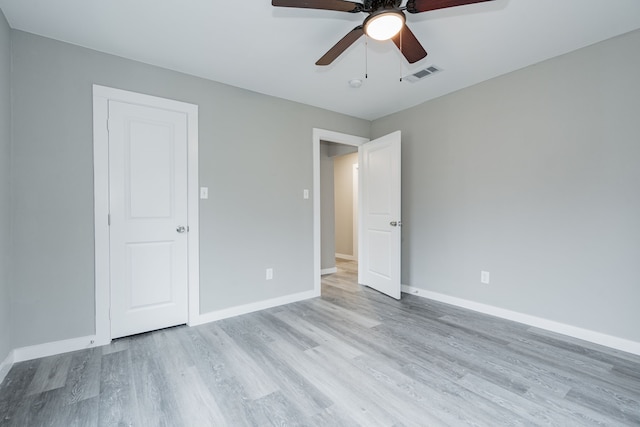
150,170
379,171
150,274
379,256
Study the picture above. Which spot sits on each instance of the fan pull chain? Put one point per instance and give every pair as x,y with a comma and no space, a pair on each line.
400,62
366,56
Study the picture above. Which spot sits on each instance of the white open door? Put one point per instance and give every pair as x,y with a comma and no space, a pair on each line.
148,212
380,188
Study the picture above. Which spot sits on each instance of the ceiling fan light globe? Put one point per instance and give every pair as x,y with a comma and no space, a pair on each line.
384,26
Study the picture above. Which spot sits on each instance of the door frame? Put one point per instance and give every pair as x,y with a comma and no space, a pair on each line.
340,138
101,97
355,200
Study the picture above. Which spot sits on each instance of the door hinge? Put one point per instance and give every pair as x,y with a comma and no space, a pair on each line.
108,129
109,219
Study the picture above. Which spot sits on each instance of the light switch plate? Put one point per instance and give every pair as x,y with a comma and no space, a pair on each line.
204,192
484,277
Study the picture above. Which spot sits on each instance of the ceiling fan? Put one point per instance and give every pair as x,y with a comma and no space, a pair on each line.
386,21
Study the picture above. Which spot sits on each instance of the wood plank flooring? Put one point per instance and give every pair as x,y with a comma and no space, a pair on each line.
352,357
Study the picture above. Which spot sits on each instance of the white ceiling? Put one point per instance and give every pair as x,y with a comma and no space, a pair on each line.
253,45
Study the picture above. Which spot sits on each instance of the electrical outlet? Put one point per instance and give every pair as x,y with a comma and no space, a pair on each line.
484,277
269,273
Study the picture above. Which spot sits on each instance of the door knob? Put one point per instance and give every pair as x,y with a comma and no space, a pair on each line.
180,229
396,223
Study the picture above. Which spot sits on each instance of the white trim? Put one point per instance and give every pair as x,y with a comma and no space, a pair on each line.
51,348
538,322
347,257
6,365
193,214
330,136
101,97
328,271
252,307
101,209
355,203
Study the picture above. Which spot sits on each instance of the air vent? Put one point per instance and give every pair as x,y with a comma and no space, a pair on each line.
421,74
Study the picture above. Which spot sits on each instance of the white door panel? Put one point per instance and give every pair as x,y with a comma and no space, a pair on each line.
148,202
150,286
150,180
381,188
379,256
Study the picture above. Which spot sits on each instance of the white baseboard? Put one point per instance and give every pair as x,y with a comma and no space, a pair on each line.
538,322
5,366
328,271
347,257
250,308
49,349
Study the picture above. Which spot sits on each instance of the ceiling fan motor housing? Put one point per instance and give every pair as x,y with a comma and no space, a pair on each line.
375,5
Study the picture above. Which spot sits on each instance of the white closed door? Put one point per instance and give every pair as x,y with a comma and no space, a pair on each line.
148,218
379,260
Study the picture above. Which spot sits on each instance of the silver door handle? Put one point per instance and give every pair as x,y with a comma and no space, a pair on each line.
396,223
180,229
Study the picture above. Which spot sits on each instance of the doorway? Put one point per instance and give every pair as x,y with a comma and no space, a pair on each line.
339,209
336,138
379,209
142,119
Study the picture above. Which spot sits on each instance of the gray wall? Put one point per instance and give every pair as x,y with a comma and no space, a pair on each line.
327,208
255,157
535,177
343,184
5,188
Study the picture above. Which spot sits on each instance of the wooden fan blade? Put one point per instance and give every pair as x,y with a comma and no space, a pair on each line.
417,6
341,46
409,45
339,5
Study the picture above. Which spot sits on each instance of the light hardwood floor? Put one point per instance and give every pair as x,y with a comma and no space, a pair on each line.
352,357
